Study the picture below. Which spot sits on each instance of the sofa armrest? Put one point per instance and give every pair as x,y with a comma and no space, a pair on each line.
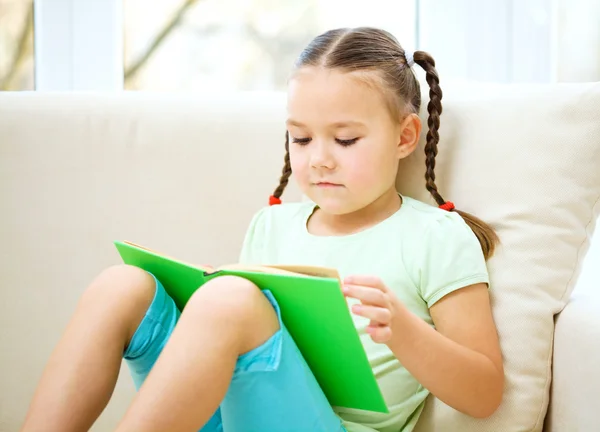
575,393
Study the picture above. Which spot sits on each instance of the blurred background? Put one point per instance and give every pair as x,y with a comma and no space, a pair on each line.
199,45
214,45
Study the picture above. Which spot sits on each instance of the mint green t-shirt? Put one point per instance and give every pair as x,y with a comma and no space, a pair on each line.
422,253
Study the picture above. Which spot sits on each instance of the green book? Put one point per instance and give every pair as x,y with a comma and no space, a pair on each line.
313,309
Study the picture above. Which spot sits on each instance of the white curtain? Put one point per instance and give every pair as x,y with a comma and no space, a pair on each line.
578,40
512,40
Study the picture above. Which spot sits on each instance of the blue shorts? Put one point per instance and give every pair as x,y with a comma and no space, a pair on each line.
272,388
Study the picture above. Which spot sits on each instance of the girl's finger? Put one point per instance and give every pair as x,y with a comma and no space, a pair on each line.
378,314
380,334
366,295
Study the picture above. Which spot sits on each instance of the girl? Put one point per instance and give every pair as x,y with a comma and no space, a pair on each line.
415,278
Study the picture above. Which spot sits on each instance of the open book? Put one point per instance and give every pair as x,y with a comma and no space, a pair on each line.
313,310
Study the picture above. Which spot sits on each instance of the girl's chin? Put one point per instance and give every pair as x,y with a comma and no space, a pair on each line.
332,205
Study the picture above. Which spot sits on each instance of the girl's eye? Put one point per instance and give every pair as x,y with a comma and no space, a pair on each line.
347,142
301,141
343,142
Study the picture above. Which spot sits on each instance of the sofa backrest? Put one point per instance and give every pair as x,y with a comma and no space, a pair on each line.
184,174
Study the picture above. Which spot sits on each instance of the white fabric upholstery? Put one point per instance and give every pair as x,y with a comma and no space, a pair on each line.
575,391
184,175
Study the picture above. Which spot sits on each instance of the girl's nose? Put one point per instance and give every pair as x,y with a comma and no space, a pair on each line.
321,156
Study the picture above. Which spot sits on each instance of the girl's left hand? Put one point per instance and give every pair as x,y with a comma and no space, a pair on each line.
378,304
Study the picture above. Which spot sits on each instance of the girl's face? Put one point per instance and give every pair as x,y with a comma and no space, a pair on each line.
344,144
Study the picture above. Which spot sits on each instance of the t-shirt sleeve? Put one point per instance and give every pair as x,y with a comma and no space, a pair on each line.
452,259
254,240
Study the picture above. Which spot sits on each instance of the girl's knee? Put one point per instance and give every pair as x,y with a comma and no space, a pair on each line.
229,294
237,302
124,288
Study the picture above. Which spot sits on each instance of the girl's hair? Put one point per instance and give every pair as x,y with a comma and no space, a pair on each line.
383,61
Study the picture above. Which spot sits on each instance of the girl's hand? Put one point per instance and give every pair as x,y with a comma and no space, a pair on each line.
378,304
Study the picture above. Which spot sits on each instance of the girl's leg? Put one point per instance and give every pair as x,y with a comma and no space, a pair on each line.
224,319
81,373
273,389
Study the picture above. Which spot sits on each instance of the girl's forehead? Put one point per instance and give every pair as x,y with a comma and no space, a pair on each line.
330,93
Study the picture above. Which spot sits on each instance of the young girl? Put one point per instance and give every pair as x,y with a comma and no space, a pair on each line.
414,275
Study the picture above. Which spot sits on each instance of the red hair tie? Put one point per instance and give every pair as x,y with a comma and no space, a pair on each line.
448,206
274,200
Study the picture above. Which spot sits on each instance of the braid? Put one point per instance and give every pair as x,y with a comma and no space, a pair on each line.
488,239
434,108
286,171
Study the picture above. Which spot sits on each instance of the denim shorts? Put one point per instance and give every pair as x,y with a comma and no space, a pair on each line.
272,388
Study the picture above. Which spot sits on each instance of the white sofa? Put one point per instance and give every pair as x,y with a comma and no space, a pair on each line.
183,175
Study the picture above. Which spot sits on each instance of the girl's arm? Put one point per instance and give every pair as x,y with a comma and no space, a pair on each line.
460,360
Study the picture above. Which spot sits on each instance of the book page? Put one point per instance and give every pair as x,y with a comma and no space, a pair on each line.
292,270
323,272
295,270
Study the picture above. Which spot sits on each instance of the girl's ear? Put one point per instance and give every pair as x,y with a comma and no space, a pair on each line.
410,132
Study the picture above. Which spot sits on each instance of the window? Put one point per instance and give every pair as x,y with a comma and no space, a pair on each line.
199,45
16,45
